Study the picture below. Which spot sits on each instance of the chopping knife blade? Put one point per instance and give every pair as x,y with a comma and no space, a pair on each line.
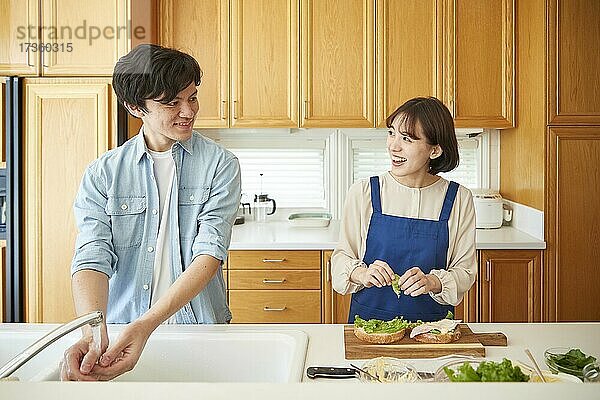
331,372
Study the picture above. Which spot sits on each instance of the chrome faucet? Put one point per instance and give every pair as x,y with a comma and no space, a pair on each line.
93,319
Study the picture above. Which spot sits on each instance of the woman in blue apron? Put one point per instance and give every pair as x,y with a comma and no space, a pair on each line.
409,222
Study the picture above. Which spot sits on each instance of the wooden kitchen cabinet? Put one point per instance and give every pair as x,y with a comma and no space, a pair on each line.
275,286
335,305
573,222
68,124
407,67
105,39
67,37
479,62
203,32
264,63
510,285
337,63
573,59
15,17
258,85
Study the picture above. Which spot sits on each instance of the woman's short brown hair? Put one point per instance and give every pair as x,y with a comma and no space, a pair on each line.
437,125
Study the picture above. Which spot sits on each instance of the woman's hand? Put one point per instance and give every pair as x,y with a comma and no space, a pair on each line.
415,283
378,274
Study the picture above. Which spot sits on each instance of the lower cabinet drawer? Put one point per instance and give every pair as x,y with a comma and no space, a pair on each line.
275,306
273,279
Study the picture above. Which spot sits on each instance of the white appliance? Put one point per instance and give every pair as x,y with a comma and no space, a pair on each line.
488,208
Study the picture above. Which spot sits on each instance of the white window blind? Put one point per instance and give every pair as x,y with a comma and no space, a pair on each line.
293,177
370,157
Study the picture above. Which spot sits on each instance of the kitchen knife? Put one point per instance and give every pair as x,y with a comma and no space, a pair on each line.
331,372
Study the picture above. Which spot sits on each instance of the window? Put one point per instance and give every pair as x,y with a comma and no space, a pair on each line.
294,166
370,157
293,177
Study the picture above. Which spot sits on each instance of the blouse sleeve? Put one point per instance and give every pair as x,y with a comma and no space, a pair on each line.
461,270
347,255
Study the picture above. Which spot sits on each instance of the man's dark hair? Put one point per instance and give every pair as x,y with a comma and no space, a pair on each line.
153,72
437,126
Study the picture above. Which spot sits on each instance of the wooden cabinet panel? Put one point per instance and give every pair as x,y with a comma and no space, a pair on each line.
98,35
406,67
274,279
573,59
335,305
275,306
202,31
274,259
337,63
511,285
16,16
479,70
264,63
467,309
75,115
573,223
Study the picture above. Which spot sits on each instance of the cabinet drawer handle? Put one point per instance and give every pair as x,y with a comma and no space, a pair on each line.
235,111
267,308
273,280
223,103
488,271
273,260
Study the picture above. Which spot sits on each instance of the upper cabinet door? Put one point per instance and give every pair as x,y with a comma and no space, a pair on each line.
19,53
573,59
264,63
479,56
202,30
337,63
406,67
84,38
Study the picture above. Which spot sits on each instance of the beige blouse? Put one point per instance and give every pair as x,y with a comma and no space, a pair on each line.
423,203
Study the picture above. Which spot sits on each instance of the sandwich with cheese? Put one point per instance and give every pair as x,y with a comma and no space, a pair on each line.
442,331
381,332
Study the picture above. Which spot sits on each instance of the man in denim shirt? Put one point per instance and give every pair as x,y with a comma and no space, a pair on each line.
154,218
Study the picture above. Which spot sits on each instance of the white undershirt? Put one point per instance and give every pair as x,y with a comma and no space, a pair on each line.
164,173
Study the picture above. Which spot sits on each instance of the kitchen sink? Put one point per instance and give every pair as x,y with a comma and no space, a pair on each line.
183,354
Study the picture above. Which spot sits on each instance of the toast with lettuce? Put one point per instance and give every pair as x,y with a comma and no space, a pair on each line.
381,332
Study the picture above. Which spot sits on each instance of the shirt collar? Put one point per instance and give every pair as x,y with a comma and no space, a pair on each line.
141,149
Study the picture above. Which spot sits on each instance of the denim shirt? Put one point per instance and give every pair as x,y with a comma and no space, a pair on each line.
116,210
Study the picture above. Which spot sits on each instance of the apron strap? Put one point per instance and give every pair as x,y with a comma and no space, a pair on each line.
375,198
449,201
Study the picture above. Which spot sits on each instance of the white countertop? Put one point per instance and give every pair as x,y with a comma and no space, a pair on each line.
326,349
280,235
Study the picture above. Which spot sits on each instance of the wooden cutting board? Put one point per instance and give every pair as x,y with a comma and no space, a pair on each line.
468,344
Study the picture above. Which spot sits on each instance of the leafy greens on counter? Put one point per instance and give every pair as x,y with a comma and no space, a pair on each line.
487,371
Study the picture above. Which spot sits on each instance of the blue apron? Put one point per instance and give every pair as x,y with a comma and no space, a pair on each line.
403,243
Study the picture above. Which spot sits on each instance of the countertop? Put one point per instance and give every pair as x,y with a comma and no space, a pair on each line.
280,235
326,349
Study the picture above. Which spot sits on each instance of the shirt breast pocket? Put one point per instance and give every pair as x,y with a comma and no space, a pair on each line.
127,215
191,202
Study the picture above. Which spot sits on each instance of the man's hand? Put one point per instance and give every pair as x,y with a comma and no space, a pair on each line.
80,359
124,353
415,283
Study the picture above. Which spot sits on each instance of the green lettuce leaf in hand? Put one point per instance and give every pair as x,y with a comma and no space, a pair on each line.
395,285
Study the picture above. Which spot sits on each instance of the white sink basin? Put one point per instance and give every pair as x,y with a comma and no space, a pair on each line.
184,354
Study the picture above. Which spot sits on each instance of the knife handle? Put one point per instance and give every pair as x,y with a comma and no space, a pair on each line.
330,372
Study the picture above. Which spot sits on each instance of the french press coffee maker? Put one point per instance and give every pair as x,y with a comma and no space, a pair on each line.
262,204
